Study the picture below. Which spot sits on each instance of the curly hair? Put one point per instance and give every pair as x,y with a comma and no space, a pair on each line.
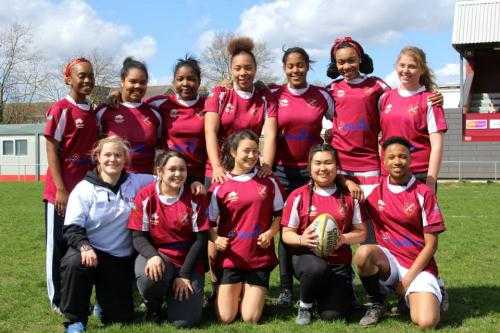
238,45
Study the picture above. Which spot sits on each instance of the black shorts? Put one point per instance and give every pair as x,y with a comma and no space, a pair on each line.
257,277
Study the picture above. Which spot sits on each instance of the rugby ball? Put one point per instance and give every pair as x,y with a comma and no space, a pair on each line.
327,232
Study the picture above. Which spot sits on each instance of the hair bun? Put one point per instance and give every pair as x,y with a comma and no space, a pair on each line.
240,44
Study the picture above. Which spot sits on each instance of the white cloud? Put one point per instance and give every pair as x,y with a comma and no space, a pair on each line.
205,39
392,79
448,74
72,27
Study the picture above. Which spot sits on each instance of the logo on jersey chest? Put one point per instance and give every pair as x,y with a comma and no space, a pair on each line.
147,121
409,208
184,218
229,108
154,219
119,118
313,102
262,191
314,211
381,205
173,113
253,111
388,108
342,211
79,123
413,109
340,93
283,102
232,197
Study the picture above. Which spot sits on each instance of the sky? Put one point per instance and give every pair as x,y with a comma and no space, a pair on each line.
160,31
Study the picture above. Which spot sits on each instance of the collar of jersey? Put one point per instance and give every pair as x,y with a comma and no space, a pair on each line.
325,192
244,177
82,106
297,92
167,200
407,93
244,94
131,105
187,103
357,80
400,188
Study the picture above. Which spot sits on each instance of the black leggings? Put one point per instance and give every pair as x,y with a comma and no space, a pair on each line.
330,286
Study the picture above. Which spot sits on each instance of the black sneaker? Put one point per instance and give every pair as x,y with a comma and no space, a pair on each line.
401,309
445,298
303,316
373,314
153,313
285,298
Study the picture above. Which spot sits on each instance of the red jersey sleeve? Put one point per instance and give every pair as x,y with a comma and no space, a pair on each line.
138,219
270,104
432,218
291,216
436,121
56,122
214,101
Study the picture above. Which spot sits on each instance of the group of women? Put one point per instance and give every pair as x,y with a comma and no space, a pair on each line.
120,219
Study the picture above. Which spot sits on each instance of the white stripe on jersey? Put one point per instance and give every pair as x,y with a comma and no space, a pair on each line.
278,198
266,111
194,216
221,98
145,218
356,213
294,214
424,215
329,101
61,125
213,208
49,251
431,119
159,130
99,115
157,102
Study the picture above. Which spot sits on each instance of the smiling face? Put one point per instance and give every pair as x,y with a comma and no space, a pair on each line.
323,168
243,70
296,69
246,155
347,60
186,83
397,162
409,72
173,174
81,81
134,85
111,159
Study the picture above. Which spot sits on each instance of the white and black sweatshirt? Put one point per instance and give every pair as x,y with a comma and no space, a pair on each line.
98,213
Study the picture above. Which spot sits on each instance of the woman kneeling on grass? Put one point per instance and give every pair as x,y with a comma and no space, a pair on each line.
170,232
100,246
406,221
324,281
245,209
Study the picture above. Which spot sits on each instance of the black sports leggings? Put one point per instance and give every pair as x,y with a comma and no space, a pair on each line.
329,285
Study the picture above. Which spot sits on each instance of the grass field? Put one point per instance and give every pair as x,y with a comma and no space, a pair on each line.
468,258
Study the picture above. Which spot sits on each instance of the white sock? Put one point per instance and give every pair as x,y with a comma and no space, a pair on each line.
305,305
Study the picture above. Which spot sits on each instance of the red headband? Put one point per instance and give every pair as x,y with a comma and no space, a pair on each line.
69,65
346,40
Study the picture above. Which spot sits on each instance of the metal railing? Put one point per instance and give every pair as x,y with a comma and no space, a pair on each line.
450,169
470,170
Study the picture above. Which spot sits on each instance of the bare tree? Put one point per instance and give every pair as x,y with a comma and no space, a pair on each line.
20,74
216,60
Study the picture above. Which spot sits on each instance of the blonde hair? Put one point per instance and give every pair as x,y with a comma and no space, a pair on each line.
427,78
121,143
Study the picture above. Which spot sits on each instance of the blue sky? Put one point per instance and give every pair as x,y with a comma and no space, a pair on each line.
161,31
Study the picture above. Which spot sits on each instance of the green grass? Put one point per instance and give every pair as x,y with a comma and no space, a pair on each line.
468,259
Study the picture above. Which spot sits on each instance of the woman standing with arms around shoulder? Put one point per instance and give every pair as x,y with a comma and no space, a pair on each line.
183,117
301,109
170,232
244,212
133,120
100,245
70,133
406,112
244,106
327,282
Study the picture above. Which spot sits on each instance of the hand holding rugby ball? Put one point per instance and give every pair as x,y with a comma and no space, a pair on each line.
327,233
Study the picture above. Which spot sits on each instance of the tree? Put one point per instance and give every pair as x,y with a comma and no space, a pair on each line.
216,60
20,74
